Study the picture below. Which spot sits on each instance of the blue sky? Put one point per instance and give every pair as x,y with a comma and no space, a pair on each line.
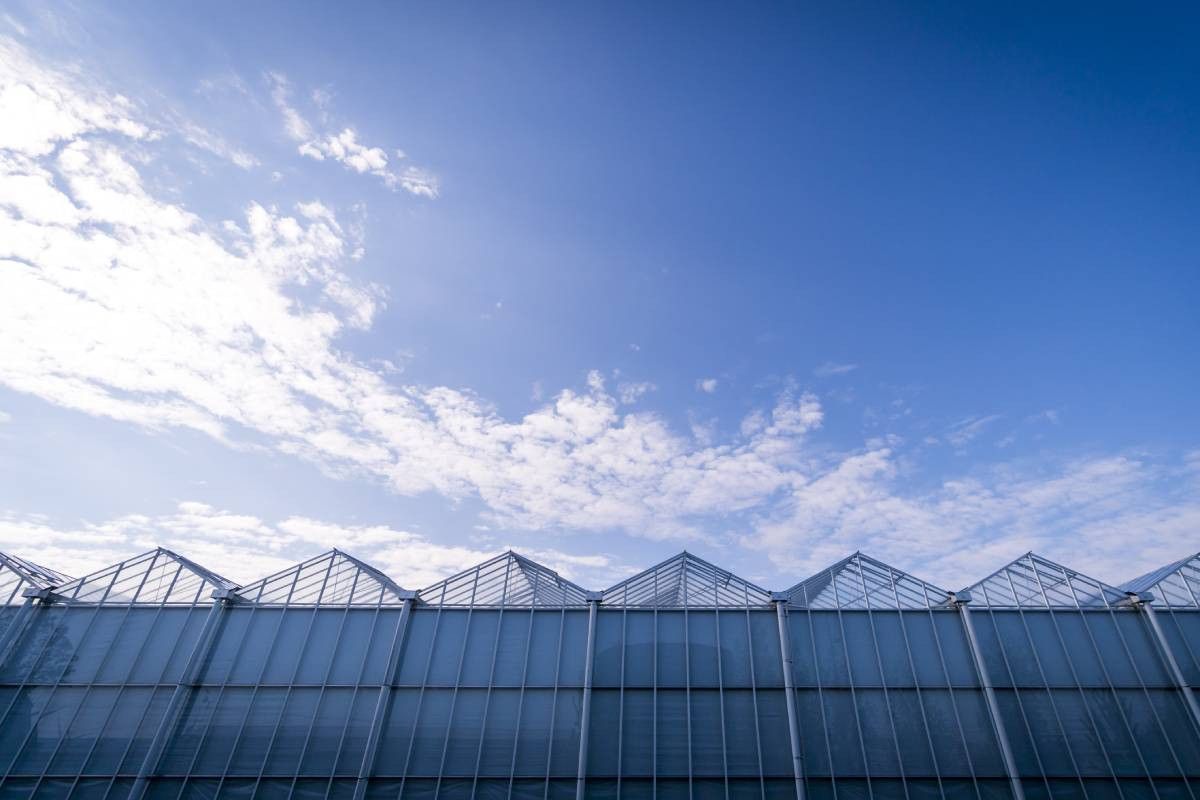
600,283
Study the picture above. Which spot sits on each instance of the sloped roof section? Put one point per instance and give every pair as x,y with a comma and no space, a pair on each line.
330,579
17,575
1176,585
685,581
861,582
1035,582
509,579
157,577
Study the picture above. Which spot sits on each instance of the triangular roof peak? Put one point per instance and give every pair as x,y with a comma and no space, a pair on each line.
685,581
156,577
861,582
1176,585
509,579
333,578
17,575
1033,581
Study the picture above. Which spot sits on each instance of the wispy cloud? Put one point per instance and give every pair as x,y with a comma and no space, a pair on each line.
829,369
961,433
344,147
707,385
244,547
120,304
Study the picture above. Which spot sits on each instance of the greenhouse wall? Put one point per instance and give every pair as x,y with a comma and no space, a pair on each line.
156,678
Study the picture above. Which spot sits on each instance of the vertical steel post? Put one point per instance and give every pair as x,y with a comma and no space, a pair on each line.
384,700
1142,603
989,694
593,599
785,649
187,682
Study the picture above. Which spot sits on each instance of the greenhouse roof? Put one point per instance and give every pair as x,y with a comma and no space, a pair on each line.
684,581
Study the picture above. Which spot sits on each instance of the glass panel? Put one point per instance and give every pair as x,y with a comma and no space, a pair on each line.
672,657
510,655
481,646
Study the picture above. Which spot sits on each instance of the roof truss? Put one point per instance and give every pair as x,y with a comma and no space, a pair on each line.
509,579
1176,585
157,577
330,579
862,582
1035,582
17,575
685,581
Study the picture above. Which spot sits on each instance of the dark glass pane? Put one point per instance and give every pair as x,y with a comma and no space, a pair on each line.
708,733
893,646
603,735
418,645
829,648
703,656
860,645
773,734
466,729
500,732
510,655
573,652
735,648
294,630
637,733
768,661
606,670
448,644
481,648
544,650
672,657
321,644
533,734
564,752
639,648
397,733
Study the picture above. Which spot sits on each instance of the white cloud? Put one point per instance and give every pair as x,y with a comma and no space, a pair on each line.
961,433
344,147
1083,513
244,547
829,369
631,392
707,385
117,303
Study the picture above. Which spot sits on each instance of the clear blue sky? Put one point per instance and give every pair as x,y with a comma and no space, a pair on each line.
601,282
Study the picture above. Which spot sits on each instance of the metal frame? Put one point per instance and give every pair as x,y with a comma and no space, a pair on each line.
874,596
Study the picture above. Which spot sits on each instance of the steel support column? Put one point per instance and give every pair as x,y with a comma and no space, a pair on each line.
593,599
222,598
789,689
989,694
384,700
1142,604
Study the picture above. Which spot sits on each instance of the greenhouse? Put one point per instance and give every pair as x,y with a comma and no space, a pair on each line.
158,678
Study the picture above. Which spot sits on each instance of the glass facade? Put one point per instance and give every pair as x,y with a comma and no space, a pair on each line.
157,678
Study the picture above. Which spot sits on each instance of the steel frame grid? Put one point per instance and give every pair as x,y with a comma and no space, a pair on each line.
1024,594
156,689
17,575
1088,606
332,579
719,607
156,577
1032,581
859,582
685,581
532,601
506,581
836,606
